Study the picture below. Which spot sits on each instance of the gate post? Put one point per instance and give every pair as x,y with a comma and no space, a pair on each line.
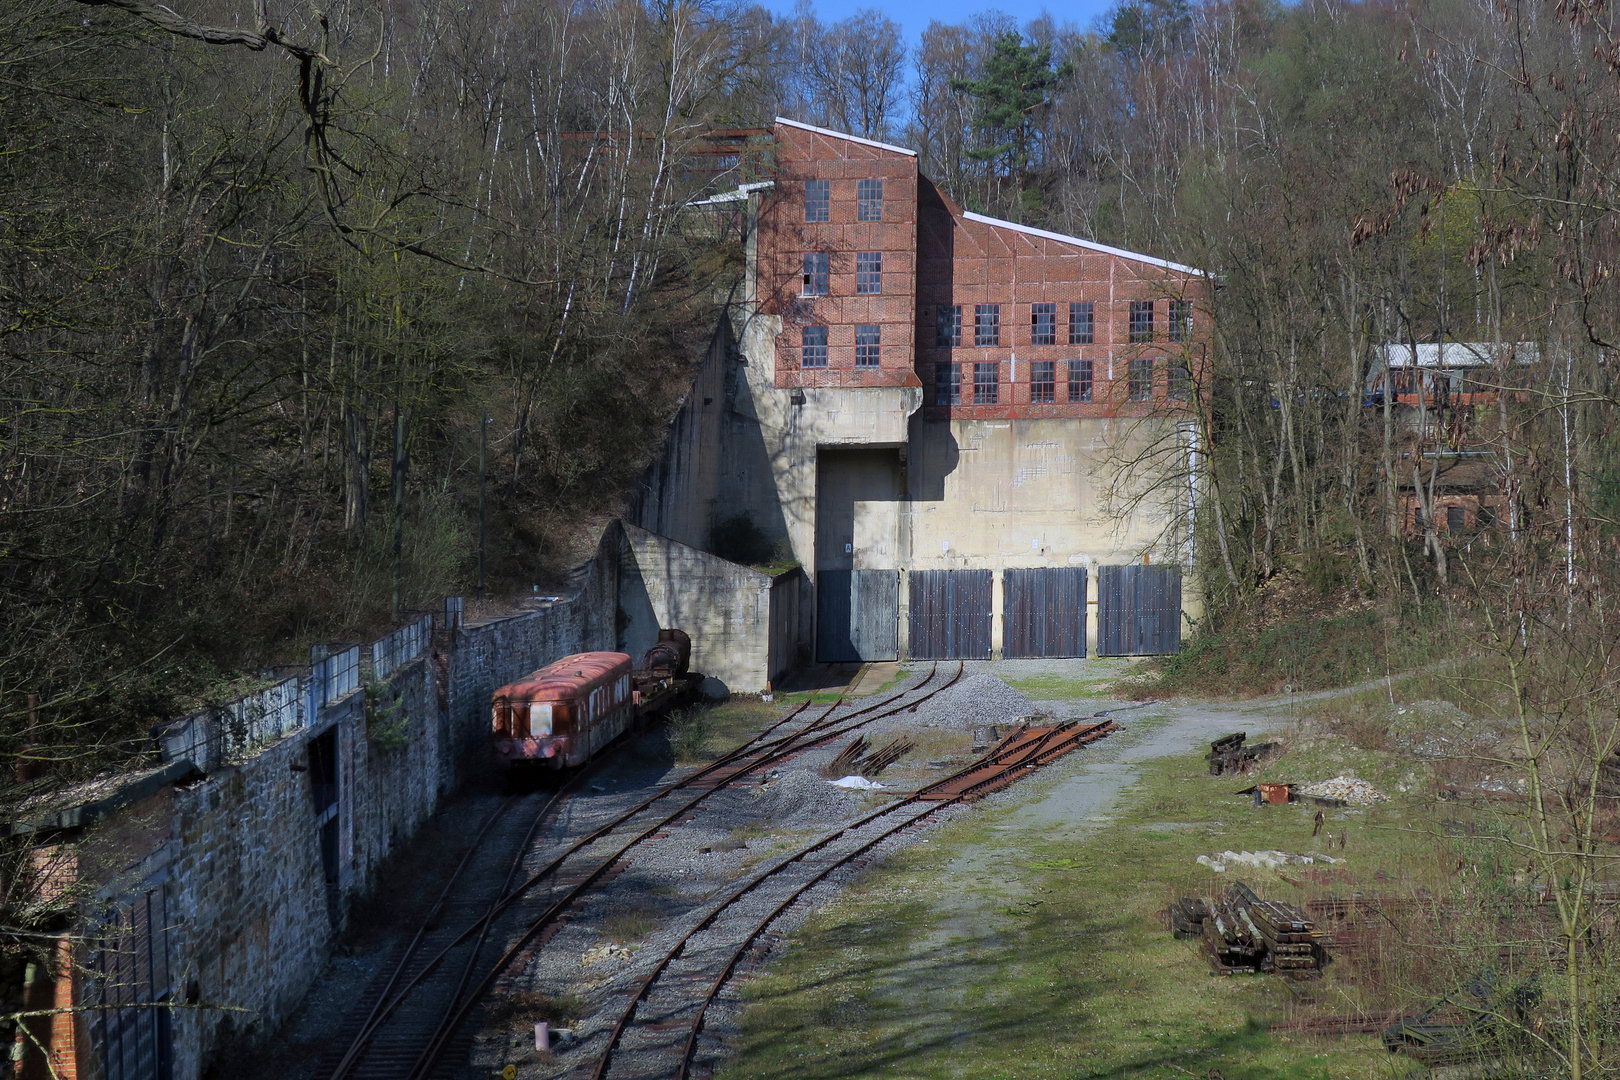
997,609
1093,625
902,605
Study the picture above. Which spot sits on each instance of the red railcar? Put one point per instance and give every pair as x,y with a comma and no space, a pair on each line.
563,714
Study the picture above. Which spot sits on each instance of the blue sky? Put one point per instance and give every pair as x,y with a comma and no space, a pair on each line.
915,15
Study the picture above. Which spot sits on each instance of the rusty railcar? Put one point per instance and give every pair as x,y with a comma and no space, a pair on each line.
562,715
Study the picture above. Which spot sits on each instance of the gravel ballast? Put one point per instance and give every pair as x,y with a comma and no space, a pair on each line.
977,701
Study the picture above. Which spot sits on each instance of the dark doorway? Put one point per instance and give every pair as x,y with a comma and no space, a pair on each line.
950,614
1138,610
1043,612
323,786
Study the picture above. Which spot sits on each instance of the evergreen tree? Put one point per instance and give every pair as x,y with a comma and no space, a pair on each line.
1017,84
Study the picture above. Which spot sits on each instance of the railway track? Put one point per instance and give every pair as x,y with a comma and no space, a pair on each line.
413,1012
658,1030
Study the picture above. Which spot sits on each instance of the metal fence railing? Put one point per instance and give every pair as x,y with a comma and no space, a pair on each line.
251,722
332,677
401,646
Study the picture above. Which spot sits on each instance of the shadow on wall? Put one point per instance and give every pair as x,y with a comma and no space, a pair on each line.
934,456
636,621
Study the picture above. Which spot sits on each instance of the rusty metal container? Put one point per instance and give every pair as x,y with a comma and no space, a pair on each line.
1274,793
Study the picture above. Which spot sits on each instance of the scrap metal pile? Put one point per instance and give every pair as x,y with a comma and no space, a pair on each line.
1228,754
1241,933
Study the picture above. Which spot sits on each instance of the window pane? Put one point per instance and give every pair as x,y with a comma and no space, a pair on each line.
1080,325
818,200
813,352
815,273
1141,379
986,383
1043,381
868,340
947,384
1079,380
987,324
869,272
1141,321
1180,383
1043,324
1181,315
948,326
869,197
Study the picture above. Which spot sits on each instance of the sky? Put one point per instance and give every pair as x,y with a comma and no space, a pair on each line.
915,15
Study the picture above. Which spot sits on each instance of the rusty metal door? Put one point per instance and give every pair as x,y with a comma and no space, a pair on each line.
1138,610
857,615
950,614
1043,612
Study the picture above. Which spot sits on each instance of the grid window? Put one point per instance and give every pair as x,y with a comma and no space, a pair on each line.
947,384
1141,379
1043,324
987,324
813,350
986,383
948,326
818,200
1079,380
1181,316
1141,321
869,272
869,200
815,273
1080,323
1180,383
868,339
1043,382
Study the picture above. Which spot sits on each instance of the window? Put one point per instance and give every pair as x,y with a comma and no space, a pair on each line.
869,200
1485,517
818,200
1043,324
986,383
948,327
867,341
1141,380
815,273
1043,381
1180,383
1079,380
814,351
1181,316
1080,323
987,324
1454,519
947,384
1141,321
869,272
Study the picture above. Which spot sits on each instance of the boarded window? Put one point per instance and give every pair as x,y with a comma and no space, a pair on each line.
1043,324
1141,321
869,200
1455,519
1081,323
986,383
813,347
868,340
987,324
869,272
818,200
1043,382
1079,380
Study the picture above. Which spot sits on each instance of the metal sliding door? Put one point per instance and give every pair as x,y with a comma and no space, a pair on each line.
950,614
1043,612
1138,610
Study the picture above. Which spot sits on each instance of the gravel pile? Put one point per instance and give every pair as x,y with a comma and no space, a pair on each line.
801,795
1348,788
977,701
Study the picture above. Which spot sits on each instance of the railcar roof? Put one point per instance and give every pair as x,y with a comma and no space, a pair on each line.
567,677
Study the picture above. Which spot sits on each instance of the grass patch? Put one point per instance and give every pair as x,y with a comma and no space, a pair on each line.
1001,951
1061,688
815,697
531,1007
629,924
704,732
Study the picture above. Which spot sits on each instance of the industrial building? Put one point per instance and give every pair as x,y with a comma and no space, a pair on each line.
974,438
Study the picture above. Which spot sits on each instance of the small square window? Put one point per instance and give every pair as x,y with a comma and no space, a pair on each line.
1079,380
868,340
987,324
1141,379
986,383
869,272
1181,320
947,384
1180,383
948,326
1043,324
1141,321
1043,382
813,352
818,200
869,200
815,273
1080,323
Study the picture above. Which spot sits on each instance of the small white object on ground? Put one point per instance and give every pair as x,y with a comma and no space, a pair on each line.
857,782
1219,863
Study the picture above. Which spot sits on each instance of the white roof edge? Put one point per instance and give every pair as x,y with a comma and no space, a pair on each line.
1088,244
845,136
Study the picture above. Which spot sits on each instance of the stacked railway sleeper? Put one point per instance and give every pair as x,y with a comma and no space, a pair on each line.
412,1022
1242,932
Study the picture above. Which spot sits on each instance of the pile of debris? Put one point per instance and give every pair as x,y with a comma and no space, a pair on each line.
1346,789
1243,933
859,759
1228,754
